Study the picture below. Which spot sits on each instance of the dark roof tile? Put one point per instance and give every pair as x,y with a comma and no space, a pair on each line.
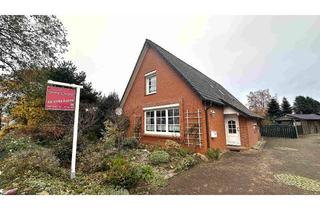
206,88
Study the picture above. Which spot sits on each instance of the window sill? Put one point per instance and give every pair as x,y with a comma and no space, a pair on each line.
166,135
147,94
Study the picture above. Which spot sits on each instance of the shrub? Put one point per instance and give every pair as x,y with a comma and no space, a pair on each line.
32,161
122,173
42,139
183,152
186,163
130,143
5,131
149,175
40,183
171,145
137,128
84,185
63,150
91,136
145,172
106,163
110,143
94,154
214,154
158,157
158,180
11,144
175,149
117,129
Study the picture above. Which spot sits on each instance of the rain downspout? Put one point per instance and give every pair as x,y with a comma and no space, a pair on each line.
207,126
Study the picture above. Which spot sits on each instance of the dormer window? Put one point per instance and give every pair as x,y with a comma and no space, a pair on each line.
151,83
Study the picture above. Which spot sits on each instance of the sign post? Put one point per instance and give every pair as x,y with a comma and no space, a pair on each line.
63,99
75,135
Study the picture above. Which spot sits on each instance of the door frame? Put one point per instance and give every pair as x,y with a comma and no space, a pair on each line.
236,137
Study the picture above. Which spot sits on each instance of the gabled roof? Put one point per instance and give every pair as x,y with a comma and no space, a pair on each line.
207,89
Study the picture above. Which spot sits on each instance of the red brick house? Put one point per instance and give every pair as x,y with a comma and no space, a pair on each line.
173,100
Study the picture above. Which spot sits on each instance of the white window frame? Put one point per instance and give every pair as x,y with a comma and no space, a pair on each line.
233,129
147,77
155,132
145,121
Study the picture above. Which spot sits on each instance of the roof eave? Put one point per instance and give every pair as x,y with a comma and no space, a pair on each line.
224,104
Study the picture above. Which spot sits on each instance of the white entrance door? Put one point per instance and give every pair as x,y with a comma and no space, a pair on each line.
232,130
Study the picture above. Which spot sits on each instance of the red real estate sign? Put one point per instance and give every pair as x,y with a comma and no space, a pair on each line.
60,98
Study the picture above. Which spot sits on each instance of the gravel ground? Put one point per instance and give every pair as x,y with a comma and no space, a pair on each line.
255,172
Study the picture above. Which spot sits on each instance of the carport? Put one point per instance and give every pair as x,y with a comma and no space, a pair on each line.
306,123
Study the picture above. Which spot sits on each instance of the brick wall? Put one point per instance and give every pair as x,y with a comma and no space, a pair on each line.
253,131
249,131
170,89
244,136
216,123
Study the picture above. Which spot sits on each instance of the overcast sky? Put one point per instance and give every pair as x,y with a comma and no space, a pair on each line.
242,53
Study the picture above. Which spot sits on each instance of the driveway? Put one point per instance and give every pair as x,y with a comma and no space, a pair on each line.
256,172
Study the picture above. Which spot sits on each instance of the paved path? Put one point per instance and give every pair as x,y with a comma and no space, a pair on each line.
252,172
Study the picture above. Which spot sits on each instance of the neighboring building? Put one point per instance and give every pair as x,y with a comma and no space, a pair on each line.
173,100
306,123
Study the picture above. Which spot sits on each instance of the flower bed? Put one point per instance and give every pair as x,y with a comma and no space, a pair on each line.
101,168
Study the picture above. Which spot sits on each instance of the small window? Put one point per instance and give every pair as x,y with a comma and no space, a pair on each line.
151,83
232,127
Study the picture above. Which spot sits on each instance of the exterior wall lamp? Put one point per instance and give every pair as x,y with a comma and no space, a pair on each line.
212,113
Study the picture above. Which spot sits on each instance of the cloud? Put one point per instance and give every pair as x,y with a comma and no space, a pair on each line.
259,52
242,53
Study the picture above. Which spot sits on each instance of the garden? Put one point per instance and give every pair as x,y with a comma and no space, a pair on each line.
32,163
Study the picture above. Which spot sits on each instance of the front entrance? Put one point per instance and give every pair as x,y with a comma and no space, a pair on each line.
232,130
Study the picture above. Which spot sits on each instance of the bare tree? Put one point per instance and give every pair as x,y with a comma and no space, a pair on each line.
63,121
258,101
30,40
88,117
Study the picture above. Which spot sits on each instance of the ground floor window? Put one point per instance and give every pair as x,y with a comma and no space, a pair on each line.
162,121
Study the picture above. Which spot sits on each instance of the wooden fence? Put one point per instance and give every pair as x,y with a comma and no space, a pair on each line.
282,131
